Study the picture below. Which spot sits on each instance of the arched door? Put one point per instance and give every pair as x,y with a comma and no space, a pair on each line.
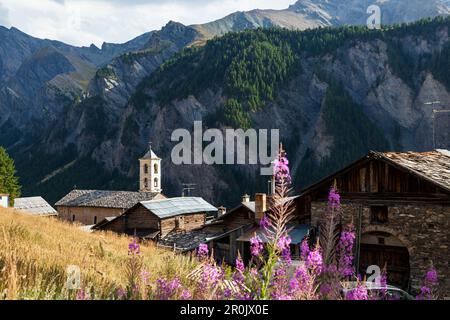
383,249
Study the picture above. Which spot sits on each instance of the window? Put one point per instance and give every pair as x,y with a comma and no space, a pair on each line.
146,182
73,218
179,222
379,214
146,168
95,219
156,183
155,168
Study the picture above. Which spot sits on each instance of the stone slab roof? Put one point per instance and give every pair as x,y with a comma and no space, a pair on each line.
34,206
105,199
187,240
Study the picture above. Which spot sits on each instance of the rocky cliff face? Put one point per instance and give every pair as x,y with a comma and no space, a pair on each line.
82,116
342,104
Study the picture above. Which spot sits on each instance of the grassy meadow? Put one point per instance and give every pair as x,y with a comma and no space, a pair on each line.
35,253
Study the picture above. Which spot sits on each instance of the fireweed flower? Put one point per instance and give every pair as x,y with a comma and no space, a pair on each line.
134,247
256,246
284,246
358,293
431,276
304,250
281,169
334,199
314,260
383,284
325,289
167,289
240,265
203,251
264,223
186,295
82,295
429,286
425,294
279,284
345,253
238,275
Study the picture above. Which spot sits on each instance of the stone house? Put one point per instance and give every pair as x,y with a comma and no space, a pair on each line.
399,204
4,200
163,220
89,207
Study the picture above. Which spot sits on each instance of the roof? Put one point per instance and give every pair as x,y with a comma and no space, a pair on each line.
4,195
150,155
103,222
433,166
171,207
105,199
34,206
188,240
297,233
88,228
249,205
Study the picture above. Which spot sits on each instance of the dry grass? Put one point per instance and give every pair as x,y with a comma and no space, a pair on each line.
35,253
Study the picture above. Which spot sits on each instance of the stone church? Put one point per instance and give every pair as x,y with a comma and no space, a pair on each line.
89,207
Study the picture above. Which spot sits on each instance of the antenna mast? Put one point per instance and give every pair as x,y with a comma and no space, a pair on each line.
187,188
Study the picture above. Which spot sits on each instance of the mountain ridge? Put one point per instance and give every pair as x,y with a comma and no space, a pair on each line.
93,106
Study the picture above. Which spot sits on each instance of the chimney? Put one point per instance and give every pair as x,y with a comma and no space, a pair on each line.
221,211
260,205
245,198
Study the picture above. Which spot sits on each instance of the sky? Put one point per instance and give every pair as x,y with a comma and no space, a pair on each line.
82,22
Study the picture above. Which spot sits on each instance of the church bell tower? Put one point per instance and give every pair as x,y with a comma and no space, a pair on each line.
150,172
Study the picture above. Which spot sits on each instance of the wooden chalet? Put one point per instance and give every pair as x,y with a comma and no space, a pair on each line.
166,221
399,204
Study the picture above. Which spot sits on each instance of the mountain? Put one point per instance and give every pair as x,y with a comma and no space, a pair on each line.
306,14
40,78
81,115
335,94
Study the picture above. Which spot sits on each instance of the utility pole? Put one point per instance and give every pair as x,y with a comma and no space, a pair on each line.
435,113
433,118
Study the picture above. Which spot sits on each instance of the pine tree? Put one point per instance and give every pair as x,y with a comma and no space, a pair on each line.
9,183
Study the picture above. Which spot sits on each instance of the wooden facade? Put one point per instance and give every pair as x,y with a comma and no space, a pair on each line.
142,222
233,224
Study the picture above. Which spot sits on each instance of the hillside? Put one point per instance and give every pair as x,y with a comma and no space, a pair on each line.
42,248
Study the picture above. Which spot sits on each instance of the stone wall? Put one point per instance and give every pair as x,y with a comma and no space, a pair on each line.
423,229
86,215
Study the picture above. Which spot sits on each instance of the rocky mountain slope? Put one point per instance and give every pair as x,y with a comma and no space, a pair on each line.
68,112
306,14
341,92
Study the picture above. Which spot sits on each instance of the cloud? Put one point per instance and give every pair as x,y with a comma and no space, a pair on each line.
82,22
4,16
